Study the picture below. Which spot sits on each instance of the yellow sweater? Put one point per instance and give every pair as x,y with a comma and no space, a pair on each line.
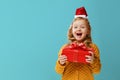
79,71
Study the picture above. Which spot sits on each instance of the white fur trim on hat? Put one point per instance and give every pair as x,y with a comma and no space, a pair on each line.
83,16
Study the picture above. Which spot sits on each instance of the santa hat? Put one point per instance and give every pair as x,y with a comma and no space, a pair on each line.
81,12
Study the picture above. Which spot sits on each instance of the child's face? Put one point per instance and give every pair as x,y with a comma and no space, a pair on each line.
79,30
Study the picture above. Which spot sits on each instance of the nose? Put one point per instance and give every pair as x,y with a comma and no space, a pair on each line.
79,29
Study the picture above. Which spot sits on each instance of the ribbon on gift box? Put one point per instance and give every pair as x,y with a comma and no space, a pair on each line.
76,52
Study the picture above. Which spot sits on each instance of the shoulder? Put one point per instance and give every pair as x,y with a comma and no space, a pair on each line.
95,48
62,47
93,45
66,44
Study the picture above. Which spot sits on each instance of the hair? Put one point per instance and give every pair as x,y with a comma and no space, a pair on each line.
88,39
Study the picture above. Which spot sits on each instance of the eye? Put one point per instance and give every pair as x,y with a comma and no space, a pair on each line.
75,27
83,27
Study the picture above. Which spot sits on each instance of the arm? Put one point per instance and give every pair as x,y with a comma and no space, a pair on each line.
96,65
60,68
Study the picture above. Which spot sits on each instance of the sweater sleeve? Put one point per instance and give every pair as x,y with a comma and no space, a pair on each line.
60,68
96,65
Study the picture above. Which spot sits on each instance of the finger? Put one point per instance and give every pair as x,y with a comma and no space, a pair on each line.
62,59
88,57
91,53
88,61
61,62
62,56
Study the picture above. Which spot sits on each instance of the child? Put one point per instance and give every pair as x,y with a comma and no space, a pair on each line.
79,32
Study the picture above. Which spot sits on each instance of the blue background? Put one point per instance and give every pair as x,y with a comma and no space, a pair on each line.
32,32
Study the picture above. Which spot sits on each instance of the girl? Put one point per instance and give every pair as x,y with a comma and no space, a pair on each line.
79,32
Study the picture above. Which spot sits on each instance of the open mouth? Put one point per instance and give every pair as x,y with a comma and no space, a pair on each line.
79,34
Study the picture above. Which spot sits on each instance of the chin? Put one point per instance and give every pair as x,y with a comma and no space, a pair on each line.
79,39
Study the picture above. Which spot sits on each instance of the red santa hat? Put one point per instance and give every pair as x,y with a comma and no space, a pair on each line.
81,12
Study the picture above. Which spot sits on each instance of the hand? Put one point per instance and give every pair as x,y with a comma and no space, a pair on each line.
62,59
90,58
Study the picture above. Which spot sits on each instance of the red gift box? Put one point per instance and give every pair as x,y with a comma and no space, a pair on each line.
76,53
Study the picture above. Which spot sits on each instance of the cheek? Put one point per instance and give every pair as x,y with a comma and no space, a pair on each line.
88,31
73,31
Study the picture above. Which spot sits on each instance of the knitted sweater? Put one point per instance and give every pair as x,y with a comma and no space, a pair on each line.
79,71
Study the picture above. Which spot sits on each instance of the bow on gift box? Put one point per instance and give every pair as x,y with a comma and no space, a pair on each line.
79,46
76,52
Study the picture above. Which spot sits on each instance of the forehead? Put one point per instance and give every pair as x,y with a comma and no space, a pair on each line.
79,22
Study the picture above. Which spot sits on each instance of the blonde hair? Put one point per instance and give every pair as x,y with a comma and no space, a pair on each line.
88,38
